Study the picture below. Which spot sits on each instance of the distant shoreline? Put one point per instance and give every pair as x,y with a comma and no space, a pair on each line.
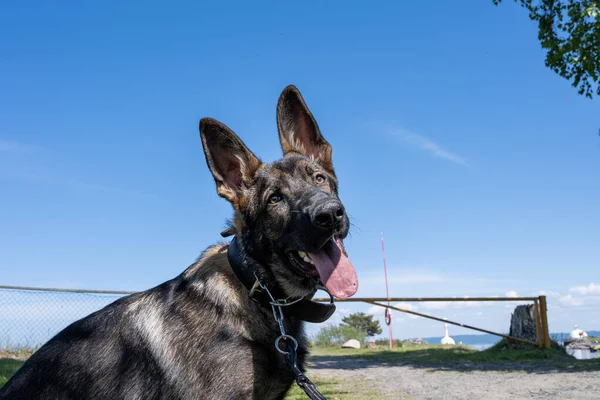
487,339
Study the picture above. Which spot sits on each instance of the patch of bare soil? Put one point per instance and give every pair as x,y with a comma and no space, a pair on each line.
401,381
16,355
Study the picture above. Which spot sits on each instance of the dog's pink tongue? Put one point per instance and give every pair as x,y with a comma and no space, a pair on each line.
335,269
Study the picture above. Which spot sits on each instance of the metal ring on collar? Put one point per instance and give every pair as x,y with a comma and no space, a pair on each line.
323,288
285,337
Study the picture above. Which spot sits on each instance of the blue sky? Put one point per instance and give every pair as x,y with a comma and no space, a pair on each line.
449,134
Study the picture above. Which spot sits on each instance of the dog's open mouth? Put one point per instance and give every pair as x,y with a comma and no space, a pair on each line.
332,266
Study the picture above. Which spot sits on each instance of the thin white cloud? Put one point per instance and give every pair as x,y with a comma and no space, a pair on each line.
570,301
437,305
104,188
592,288
547,293
11,146
377,310
38,172
434,149
442,305
407,306
56,180
512,304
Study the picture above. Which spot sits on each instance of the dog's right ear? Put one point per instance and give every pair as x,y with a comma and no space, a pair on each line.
231,163
298,130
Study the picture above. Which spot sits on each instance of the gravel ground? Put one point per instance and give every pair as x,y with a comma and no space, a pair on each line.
465,381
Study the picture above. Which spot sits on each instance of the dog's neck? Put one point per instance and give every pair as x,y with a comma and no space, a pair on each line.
245,268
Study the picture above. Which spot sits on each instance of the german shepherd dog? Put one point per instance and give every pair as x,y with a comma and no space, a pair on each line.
203,335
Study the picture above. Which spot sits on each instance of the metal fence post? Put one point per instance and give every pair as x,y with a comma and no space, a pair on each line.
538,334
544,315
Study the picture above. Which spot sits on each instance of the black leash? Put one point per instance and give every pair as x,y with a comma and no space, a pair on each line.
302,380
303,309
290,356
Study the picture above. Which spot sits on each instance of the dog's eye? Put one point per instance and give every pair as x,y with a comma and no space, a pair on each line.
275,198
320,179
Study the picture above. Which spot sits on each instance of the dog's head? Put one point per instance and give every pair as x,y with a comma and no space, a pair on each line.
288,215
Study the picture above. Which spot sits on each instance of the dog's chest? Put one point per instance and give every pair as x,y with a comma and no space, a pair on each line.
237,358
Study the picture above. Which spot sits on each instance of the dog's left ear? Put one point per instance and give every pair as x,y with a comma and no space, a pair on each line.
231,163
298,130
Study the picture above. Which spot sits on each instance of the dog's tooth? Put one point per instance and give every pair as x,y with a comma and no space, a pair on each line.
307,259
302,254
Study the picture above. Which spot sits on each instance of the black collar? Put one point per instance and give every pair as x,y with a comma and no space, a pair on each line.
305,309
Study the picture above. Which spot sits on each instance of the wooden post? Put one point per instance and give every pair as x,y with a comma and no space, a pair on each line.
544,320
538,334
523,323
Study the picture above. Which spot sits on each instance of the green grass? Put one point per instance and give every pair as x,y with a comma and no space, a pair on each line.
11,361
8,367
331,388
501,356
334,389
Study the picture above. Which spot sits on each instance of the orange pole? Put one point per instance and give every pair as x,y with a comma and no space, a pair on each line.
544,314
538,334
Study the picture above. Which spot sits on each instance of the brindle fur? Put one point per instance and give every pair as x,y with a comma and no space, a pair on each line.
199,335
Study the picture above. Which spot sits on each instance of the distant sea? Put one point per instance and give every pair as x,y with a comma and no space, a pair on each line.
482,342
479,342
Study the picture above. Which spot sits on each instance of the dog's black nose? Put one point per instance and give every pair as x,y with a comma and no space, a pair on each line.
328,214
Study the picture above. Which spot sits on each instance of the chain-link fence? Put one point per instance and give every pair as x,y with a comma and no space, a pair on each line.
31,316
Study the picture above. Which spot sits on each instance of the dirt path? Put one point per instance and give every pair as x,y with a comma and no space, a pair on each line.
397,381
